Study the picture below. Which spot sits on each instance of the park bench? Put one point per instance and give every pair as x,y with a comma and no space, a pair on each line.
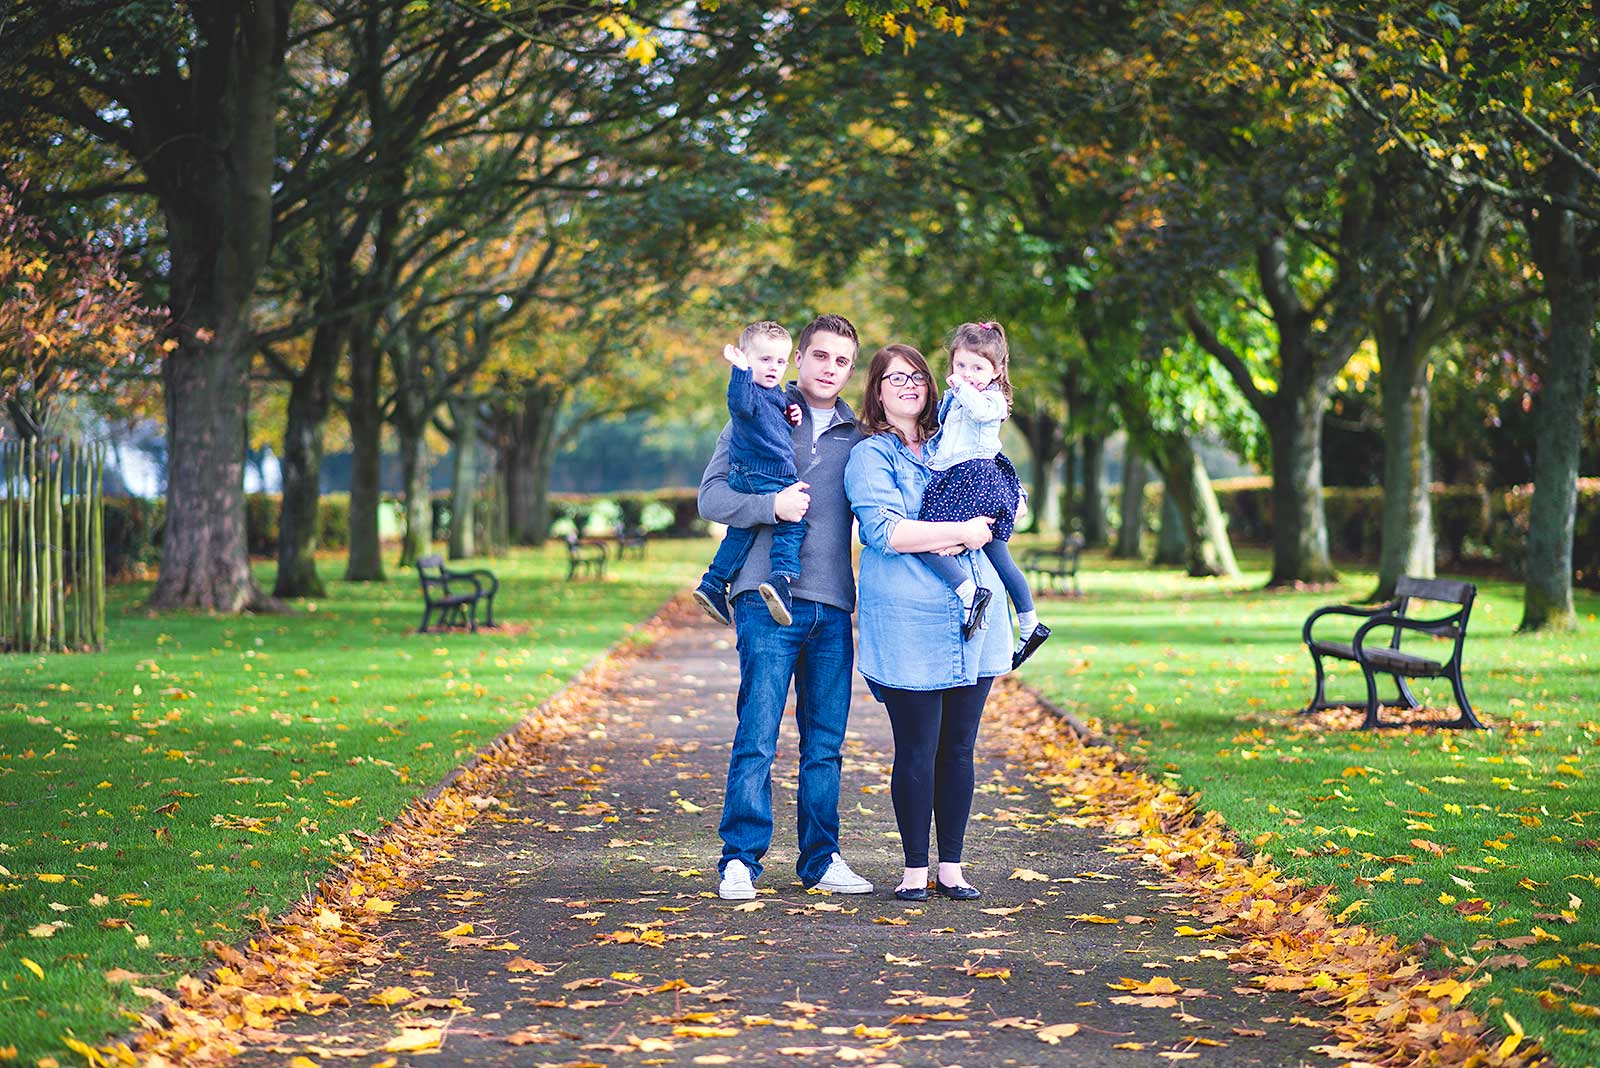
1060,564
444,592
585,555
1397,617
630,539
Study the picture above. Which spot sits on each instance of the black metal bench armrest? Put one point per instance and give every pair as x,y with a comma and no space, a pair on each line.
1344,610
479,576
1399,623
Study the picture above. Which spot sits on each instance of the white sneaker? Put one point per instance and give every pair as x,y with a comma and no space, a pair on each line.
841,880
736,884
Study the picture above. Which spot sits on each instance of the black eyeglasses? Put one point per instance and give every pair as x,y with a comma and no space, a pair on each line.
897,379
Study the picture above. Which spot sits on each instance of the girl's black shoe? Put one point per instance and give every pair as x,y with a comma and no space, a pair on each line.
957,893
911,893
1030,645
980,604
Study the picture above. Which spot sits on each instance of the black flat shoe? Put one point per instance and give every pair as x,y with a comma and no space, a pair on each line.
980,604
957,893
911,893
1030,645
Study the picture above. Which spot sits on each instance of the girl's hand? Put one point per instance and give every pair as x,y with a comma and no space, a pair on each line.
975,532
734,355
953,381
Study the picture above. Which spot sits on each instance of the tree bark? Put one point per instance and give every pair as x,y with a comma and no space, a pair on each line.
530,460
1042,431
208,152
1299,522
1172,545
1407,546
1092,498
415,467
365,561
1571,287
464,478
310,401
1068,500
1207,550
1130,531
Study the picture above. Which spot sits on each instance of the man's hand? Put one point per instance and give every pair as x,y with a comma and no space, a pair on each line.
735,355
789,505
793,412
975,532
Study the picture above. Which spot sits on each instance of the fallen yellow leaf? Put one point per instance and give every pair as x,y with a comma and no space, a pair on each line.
391,996
1056,1032
413,1039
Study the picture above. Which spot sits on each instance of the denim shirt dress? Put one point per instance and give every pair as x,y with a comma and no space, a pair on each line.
909,620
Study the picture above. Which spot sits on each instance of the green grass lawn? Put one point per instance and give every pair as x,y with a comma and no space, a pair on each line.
1453,838
202,771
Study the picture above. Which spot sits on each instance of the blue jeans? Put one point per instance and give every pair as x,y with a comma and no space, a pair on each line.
816,651
786,537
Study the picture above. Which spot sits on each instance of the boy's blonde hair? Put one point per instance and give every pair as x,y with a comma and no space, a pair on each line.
987,339
765,328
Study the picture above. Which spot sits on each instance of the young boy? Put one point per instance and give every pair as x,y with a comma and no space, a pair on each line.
761,460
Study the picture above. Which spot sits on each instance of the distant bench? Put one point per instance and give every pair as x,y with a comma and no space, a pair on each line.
445,591
1060,564
586,556
1398,617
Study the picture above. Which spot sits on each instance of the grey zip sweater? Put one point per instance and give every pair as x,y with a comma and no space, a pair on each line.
826,574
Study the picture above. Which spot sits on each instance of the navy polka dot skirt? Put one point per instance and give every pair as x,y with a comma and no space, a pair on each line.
973,488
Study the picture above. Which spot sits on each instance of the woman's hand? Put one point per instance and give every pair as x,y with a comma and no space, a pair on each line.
975,533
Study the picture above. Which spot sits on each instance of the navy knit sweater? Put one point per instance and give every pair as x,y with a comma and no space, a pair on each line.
762,440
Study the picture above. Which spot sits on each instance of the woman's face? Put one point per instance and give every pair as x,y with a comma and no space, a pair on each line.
902,396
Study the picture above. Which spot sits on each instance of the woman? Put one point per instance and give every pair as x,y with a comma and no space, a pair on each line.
932,682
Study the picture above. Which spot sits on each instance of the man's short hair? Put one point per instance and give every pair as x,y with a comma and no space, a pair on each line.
765,328
832,324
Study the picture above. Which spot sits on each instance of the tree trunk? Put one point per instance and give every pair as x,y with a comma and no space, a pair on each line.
1207,550
1068,509
415,468
209,159
464,478
1092,499
1407,534
1172,545
1042,431
530,459
1130,532
310,400
1571,292
365,563
1299,523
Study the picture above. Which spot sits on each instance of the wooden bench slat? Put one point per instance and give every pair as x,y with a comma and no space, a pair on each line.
1446,591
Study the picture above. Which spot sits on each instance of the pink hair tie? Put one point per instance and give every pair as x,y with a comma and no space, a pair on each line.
990,326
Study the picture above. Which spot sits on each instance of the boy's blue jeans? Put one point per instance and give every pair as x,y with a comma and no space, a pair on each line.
786,537
816,650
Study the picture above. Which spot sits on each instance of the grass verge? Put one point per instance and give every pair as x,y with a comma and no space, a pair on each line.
201,772
1482,846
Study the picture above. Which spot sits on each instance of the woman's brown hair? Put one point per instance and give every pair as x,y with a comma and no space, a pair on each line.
874,420
987,339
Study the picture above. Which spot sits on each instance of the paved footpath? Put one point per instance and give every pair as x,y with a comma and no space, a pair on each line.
600,871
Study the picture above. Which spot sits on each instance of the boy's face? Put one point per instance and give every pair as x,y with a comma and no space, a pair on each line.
825,367
769,359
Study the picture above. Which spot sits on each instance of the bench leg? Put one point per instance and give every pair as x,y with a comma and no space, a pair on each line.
1370,721
1318,697
472,616
488,611
1468,719
1407,698
427,610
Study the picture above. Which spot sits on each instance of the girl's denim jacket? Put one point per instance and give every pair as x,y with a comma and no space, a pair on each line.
969,426
909,620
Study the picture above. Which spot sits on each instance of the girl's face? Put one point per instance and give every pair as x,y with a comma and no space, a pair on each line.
902,395
973,368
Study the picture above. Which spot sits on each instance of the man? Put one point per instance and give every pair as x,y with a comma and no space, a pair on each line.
815,649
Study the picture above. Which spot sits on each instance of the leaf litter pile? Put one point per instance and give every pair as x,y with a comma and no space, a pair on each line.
956,973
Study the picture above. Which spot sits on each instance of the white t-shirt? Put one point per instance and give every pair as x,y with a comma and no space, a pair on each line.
821,419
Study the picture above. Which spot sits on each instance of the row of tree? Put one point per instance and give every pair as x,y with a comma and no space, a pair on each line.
1199,217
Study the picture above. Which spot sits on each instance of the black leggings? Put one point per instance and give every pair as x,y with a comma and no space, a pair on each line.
934,731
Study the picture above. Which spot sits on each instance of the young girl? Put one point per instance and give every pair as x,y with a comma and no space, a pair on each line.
973,478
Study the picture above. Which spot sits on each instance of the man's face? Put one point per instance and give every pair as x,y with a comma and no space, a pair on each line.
769,358
825,367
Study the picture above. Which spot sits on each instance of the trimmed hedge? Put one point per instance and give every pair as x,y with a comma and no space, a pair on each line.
1471,523
133,534
669,513
263,510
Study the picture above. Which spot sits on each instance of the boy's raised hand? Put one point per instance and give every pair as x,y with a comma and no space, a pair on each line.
793,412
735,355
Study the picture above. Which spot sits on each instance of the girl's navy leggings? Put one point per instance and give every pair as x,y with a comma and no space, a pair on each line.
934,732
